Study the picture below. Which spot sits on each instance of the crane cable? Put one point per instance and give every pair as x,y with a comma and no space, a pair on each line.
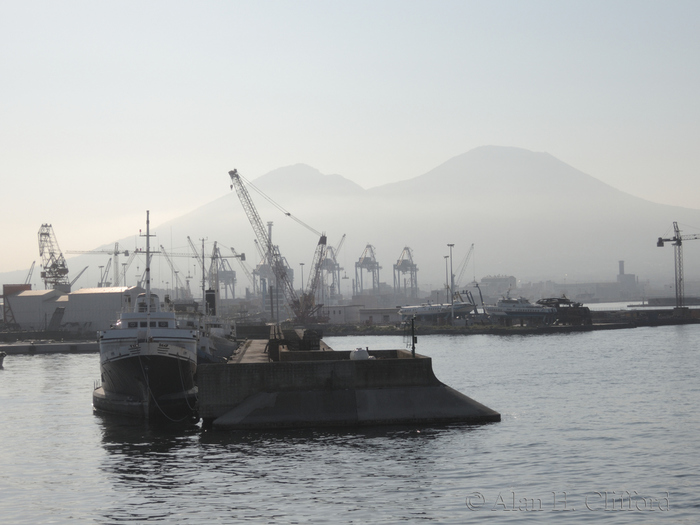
279,207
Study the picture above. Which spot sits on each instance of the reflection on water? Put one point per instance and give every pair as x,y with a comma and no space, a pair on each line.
583,413
249,474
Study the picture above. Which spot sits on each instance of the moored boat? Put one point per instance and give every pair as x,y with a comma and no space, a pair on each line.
520,308
428,311
147,362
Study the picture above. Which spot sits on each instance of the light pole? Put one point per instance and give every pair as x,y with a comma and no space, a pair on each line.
302,277
447,281
452,285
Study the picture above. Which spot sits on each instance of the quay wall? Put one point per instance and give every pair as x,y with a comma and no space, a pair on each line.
328,389
224,386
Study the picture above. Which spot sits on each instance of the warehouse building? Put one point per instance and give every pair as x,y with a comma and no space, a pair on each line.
85,310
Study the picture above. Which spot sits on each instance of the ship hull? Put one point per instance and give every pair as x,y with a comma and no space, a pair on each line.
153,380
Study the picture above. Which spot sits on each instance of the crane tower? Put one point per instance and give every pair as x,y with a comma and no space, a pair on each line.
677,242
405,266
303,307
368,262
54,269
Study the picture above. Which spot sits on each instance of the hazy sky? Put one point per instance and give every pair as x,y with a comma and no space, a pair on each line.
112,108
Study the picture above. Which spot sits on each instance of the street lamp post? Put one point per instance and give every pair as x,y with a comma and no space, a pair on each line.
447,280
452,286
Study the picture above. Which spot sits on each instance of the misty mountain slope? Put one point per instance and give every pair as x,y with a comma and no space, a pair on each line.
301,178
505,171
528,214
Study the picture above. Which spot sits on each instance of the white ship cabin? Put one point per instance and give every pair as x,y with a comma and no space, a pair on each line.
157,318
141,301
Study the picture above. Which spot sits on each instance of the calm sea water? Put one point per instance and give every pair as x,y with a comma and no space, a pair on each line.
601,426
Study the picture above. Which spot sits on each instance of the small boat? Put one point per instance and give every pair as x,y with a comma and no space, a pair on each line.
520,308
429,311
148,362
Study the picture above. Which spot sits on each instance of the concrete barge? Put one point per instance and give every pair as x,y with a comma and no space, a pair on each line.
271,386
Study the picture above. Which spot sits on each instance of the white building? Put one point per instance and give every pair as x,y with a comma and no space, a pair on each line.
345,314
85,310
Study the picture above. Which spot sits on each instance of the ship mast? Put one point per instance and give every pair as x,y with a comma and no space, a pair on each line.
148,275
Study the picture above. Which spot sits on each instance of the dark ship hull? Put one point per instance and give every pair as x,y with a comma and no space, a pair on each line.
149,385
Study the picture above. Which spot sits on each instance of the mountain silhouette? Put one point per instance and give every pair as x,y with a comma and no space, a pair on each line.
528,214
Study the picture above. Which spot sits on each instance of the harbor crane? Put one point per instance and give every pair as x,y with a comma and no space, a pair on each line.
244,267
368,262
677,243
405,265
463,266
330,266
115,253
104,275
54,268
304,307
29,275
78,276
176,275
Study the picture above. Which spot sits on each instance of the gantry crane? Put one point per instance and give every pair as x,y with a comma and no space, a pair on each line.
677,241
54,269
367,262
403,266
303,308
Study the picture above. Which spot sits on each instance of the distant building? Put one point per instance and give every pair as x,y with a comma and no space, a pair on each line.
493,287
345,314
380,316
85,310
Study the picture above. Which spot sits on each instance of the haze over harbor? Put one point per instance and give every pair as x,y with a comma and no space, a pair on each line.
528,214
112,109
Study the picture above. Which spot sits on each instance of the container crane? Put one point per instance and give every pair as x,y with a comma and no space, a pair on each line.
677,242
304,308
368,262
405,265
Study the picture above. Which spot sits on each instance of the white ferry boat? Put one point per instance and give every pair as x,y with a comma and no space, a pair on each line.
520,308
426,311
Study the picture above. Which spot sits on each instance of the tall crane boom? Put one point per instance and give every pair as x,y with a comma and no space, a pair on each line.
307,306
29,275
175,272
463,266
276,261
303,309
677,242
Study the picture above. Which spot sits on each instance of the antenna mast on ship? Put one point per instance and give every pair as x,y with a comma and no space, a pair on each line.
148,273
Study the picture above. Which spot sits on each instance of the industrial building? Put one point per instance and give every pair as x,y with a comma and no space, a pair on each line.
83,311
